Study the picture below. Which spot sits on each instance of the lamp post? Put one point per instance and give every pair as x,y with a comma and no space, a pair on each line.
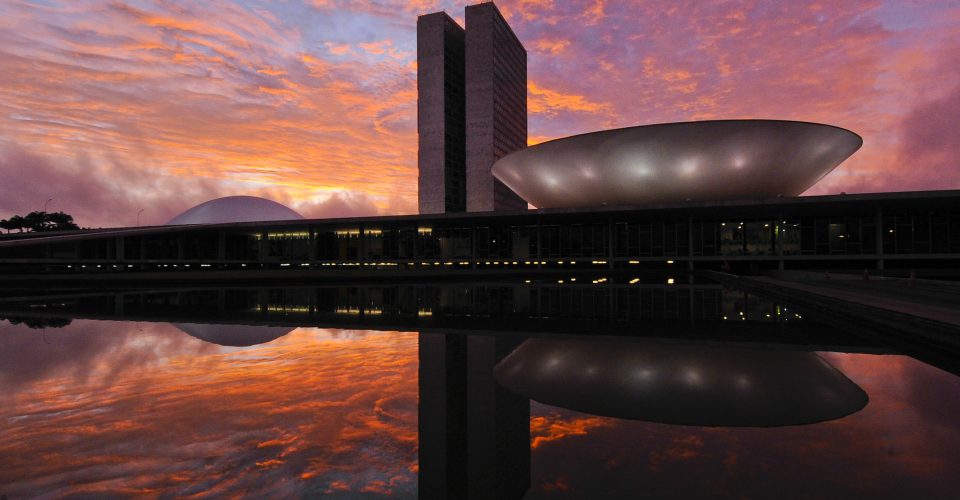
43,214
138,217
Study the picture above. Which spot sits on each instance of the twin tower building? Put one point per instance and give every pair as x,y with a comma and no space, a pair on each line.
471,110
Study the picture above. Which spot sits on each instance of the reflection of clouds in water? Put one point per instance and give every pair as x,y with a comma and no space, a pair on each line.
896,447
302,415
84,350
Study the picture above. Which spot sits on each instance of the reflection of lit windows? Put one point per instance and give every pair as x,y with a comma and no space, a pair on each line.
373,232
347,233
288,309
348,310
288,235
424,312
424,230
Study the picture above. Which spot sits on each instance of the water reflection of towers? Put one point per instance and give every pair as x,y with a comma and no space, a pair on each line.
474,434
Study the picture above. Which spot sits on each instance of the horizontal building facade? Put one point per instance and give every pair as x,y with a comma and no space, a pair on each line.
891,230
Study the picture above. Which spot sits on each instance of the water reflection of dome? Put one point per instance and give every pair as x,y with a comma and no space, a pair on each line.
681,384
234,335
235,209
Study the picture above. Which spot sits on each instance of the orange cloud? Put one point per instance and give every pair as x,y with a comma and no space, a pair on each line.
296,415
552,102
552,46
548,428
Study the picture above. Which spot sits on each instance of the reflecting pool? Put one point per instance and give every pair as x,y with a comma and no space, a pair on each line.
461,391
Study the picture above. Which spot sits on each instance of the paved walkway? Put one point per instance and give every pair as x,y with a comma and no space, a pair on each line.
862,295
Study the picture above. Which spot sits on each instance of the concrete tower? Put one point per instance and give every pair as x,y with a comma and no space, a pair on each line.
440,115
471,110
496,100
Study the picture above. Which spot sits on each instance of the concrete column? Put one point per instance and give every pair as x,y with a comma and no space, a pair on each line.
879,233
221,246
362,247
262,247
777,240
119,257
611,242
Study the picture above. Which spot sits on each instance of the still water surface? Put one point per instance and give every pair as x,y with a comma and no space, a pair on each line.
126,408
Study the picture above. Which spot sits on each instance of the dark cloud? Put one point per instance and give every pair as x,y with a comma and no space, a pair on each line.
341,204
929,155
96,195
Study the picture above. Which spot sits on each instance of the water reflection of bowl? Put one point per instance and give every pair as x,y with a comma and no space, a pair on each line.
673,162
681,384
234,335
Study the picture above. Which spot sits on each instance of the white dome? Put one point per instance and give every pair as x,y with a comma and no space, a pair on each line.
235,209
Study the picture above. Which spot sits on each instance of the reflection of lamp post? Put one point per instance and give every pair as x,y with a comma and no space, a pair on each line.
46,203
138,217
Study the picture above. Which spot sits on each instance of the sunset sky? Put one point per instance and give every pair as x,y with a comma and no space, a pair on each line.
109,107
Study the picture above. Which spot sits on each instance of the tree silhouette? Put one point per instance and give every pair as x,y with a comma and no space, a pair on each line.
36,221
15,222
39,221
38,323
59,221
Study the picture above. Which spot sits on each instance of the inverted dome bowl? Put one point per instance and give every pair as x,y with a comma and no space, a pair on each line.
670,162
682,384
234,335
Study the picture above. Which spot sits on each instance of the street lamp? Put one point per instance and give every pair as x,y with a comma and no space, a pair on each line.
138,217
46,203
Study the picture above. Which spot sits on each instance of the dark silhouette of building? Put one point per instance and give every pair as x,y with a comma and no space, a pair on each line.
471,110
